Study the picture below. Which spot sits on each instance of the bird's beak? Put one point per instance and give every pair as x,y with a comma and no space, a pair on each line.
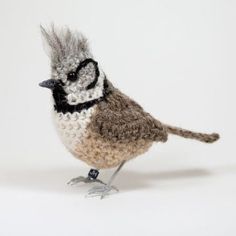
50,84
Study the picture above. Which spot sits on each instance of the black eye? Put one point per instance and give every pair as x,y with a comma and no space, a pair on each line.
72,76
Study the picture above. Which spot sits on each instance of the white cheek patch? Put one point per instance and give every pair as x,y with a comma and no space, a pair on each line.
86,75
78,94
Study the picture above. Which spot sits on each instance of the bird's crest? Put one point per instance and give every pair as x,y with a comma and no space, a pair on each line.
64,43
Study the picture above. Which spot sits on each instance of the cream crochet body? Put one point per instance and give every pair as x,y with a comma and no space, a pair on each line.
90,147
71,127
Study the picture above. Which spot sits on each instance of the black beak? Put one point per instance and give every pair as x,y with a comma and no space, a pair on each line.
50,84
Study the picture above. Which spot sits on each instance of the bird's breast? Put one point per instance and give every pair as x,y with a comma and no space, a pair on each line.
72,127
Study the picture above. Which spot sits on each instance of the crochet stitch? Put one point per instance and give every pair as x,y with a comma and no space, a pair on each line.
97,123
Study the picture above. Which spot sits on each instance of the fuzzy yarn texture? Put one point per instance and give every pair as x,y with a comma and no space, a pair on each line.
97,123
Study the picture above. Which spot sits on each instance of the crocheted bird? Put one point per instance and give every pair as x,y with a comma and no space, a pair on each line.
97,123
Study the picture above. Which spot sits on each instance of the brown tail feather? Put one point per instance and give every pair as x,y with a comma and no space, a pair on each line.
206,138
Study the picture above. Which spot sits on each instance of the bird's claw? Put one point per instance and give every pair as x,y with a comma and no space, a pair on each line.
102,191
80,179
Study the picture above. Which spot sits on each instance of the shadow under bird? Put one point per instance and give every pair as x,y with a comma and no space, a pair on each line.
97,123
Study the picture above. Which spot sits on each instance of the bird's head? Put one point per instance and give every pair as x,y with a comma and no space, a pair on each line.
75,76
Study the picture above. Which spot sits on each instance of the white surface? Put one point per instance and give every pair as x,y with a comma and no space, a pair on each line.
177,58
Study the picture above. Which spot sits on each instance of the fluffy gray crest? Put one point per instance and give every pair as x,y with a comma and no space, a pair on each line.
64,43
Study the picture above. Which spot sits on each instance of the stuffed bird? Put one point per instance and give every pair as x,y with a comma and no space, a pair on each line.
96,122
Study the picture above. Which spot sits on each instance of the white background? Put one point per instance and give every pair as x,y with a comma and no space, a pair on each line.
177,59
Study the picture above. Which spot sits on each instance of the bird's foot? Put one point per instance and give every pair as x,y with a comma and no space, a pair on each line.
102,191
83,179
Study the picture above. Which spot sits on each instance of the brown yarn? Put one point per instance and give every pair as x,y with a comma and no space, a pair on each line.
120,119
102,153
202,137
120,130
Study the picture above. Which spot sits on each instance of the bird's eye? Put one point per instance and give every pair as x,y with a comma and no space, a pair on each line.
72,76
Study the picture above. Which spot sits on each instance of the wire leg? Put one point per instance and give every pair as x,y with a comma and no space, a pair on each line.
104,190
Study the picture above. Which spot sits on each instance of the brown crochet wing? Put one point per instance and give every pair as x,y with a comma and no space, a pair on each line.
120,119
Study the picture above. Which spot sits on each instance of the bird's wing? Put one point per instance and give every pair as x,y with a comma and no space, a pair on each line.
120,119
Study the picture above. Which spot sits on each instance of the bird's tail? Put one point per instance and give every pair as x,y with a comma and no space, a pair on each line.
206,138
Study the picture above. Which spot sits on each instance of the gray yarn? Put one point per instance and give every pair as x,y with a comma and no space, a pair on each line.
65,43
